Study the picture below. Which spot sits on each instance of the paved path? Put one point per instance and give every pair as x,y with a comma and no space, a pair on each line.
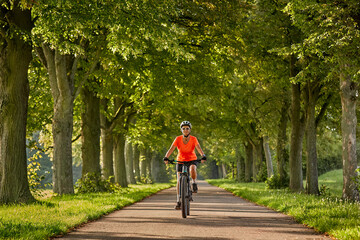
215,214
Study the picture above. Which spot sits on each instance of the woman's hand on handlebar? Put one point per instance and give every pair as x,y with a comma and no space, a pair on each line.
166,160
203,159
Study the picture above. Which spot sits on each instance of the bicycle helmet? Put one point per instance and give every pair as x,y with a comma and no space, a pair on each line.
185,123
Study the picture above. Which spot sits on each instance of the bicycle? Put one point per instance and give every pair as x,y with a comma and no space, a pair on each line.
185,190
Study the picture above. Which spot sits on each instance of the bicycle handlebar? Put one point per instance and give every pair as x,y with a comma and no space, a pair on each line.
173,161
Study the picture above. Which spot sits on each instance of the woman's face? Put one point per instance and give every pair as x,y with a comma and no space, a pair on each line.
185,130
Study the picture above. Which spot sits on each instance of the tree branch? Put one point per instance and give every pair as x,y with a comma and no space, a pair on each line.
92,69
129,119
323,109
119,113
46,149
41,56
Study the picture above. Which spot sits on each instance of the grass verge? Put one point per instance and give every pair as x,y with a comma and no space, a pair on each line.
330,214
56,215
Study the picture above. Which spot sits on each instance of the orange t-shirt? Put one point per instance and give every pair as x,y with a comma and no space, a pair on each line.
186,151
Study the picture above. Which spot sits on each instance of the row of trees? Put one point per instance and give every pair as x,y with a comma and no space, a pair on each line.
295,55
118,56
302,49
247,75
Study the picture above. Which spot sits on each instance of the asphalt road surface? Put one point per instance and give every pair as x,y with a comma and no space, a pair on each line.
214,214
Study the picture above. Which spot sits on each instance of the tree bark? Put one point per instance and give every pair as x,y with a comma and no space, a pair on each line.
223,169
240,165
348,93
155,167
312,186
257,159
136,162
15,56
129,160
214,169
269,165
281,152
143,172
220,172
119,163
248,162
297,134
148,163
107,144
90,132
60,69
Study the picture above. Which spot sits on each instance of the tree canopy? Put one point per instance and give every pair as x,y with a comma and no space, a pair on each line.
255,78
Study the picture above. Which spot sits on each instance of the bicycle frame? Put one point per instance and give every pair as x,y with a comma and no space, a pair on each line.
184,173
185,191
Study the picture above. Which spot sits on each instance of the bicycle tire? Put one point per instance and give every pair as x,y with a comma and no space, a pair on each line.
188,195
184,196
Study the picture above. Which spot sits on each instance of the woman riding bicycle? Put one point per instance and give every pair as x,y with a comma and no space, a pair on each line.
186,145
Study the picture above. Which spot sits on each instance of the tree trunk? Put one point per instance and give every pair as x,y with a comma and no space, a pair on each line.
241,169
155,167
281,152
15,56
107,145
233,170
224,172
348,92
129,160
136,162
214,169
90,133
257,159
312,186
240,165
220,172
269,165
62,88
119,163
148,163
248,162
143,163
297,134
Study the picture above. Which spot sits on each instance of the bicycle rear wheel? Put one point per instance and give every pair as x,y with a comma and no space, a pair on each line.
184,196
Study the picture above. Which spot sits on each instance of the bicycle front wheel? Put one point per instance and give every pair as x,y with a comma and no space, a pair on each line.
184,196
188,196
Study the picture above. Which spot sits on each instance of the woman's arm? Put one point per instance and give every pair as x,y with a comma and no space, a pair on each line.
200,151
172,148
169,152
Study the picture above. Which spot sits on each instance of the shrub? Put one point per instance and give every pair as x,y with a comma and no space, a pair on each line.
93,182
146,179
34,177
324,190
262,174
274,182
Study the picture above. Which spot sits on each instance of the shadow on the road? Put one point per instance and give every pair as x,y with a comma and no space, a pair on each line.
219,222
117,235
168,207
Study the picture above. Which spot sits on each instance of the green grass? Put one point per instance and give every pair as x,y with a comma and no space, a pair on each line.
56,215
326,214
334,181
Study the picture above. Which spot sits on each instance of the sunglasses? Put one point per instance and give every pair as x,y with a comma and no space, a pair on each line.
185,129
